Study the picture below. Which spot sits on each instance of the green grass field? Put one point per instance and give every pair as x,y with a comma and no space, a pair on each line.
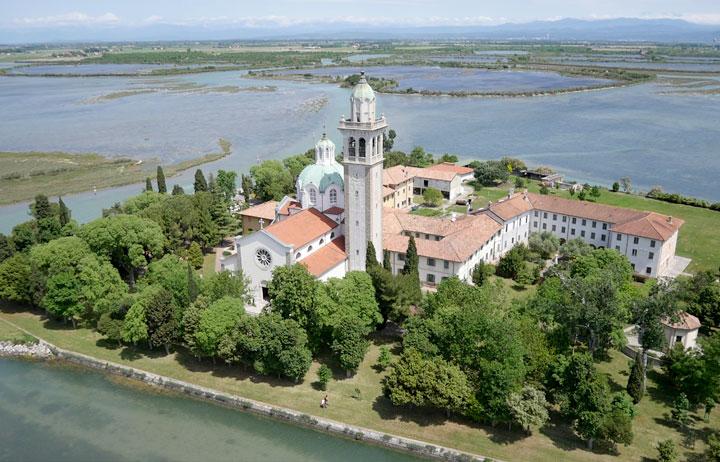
9,333
359,401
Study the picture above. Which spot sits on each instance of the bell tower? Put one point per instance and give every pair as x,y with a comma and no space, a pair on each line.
363,134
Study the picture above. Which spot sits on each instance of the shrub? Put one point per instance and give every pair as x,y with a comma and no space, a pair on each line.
324,374
667,452
383,360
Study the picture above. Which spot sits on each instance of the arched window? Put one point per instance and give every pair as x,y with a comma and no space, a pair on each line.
351,147
332,235
310,249
333,196
313,197
362,147
322,241
297,256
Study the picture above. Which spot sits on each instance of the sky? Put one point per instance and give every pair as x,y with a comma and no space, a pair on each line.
29,14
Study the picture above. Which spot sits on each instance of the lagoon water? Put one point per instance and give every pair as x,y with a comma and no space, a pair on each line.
648,132
56,413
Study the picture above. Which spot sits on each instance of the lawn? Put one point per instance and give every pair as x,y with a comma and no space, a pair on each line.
359,401
8,333
699,238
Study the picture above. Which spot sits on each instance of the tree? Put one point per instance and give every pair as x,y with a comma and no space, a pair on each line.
160,178
386,260
350,343
272,180
595,192
41,208
246,185
195,255
110,327
324,375
389,140
412,259
371,260
177,190
24,235
667,452
481,273
338,299
615,187
491,172
636,380
215,322
15,273
384,358
649,313
545,244
296,164
200,184
432,197
544,189
626,184
148,185
419,158
416,381
528,408
226,184
134,328
225,284
512,263
283,350
520,183
160,316
292,292
63,212
680,410
448,158
129,242
170,272
712,453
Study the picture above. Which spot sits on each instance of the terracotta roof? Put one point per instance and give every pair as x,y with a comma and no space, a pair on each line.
301,228
431,174
334,210
460,239
512,207
326,258
396,175
686,321
285,209
387,191
450,167
266,210
627,221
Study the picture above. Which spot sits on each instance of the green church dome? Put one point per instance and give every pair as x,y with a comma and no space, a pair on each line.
322,176
363,90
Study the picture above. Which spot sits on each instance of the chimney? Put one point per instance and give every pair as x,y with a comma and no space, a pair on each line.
525,194
669,219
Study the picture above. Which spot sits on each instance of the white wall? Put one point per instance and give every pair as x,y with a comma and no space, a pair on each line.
247,262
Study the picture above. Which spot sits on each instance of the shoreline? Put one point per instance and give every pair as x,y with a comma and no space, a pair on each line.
236,402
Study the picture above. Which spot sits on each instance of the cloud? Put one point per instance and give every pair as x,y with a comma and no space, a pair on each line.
68,19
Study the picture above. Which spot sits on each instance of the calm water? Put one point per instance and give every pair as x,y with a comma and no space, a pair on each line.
457,79
52,413
85,69
646,131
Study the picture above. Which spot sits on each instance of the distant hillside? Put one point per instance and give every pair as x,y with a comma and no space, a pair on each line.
624,29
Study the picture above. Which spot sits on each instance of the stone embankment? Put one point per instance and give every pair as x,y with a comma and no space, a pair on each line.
31,350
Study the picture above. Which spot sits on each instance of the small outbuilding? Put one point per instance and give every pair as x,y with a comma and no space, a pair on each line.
684,331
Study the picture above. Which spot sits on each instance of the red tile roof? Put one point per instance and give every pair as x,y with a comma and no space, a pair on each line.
396,175
686,321
512,207
450,167
301,228
326,258
266,211
334,210
460,239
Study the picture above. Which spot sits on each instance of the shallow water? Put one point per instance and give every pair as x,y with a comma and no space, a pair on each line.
54,413
86,69
645,131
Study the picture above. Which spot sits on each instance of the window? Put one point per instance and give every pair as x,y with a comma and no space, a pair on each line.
263,257
554,227
636,240
401,256
554,216
562,230
651,255
333,196
633,266
446,264
617,247
332,235
362,147
431,278
648,270
351,147
634,252
297,256
602,237
604,225
592,235
322,241
313,197
534,224
594,225
572,231
619,237
652,244
425,183
309,248
536,213
564,219
431,262
574,220
678,339
582,233
584,222
544,225
544,214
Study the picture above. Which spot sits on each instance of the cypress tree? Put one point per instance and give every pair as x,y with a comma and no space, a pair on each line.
178,190
200,183
636,385
193,289
148,184
211,183
386,260
162,187
411,260
370,256
64,212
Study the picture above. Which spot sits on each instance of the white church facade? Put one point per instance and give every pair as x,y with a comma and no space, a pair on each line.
339,208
